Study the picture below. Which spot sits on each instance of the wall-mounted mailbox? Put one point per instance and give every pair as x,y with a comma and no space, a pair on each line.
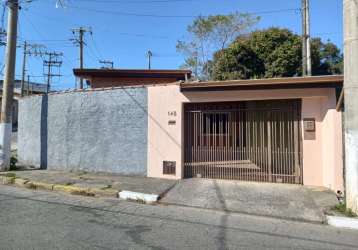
309,127
309,124
169,167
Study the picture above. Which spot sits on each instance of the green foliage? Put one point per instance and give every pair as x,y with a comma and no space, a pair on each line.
239,61
342,209
13,163
326,58
273,52
207,34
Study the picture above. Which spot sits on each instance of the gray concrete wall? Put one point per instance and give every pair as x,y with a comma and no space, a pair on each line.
102,131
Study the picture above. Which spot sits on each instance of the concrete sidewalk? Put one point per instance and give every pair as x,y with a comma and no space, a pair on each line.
292,202
88,184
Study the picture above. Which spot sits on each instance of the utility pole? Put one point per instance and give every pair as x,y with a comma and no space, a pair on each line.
52,61
350,8
306,40
149,54
23,69
29,50
106,64
2,37
28,85
8,87
79,40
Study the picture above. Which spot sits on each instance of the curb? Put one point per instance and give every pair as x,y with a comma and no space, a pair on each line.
343,222
317,222
24,183
138,197
73,190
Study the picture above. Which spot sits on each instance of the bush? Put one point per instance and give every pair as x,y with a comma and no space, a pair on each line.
13,162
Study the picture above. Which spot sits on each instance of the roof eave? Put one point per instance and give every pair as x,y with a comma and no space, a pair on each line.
273,83
87,73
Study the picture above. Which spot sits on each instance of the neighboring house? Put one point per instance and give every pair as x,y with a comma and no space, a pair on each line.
104,78
284,130
29,88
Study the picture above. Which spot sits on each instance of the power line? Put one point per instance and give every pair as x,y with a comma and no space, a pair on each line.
135,2
119,13
90,53
29,49
39,14
96,47
52,61
143,35
43,37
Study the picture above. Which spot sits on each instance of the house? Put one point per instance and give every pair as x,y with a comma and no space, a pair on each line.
104,78
283,130
29,88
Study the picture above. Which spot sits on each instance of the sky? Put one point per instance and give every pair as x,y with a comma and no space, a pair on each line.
124,30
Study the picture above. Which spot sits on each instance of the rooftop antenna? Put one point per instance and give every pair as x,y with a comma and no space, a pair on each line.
149,55
106,64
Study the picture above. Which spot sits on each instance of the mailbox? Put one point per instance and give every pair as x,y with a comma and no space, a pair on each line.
169,167
309,124
309,127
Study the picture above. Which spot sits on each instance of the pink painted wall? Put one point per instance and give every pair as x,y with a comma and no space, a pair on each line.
322,157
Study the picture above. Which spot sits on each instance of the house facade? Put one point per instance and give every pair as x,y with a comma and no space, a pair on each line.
284,130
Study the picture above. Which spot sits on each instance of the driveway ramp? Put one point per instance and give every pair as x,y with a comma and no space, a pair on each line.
285,201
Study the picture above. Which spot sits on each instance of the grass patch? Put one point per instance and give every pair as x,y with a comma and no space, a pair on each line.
10,175
342,209
107,187
32,186
82,193
9,180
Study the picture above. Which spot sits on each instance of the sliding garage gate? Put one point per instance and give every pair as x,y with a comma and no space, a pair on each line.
251,141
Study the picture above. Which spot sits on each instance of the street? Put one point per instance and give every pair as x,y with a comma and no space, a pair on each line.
43,220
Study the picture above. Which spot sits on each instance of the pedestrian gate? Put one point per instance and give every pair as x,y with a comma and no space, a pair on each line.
251,141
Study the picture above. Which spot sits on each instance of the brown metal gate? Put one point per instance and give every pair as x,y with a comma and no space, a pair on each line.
252,141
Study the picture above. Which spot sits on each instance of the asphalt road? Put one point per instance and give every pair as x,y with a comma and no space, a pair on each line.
44,220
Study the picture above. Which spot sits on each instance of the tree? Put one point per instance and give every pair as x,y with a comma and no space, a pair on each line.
239,61
327,59
274,52
208,34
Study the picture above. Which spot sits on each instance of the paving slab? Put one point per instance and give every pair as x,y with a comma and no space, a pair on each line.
100,183
293,202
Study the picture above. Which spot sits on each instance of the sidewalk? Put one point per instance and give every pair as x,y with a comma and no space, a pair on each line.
293,202
282,201
83,183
